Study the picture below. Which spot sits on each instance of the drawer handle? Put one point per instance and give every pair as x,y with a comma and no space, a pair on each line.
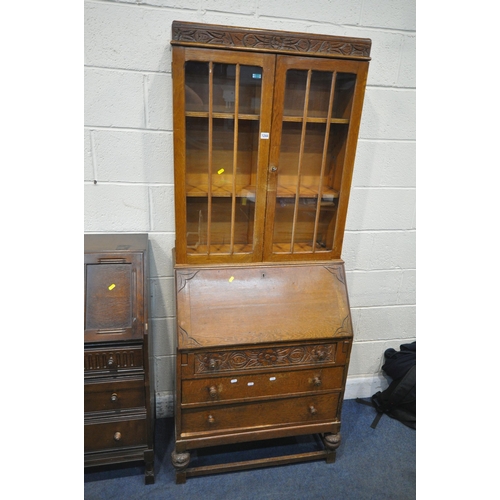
316,381
312,410
117,436
321,355
111,361
211,419
212,390
114,397
212,364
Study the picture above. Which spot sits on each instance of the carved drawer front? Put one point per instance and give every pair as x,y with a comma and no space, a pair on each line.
303,410
111,360
115,394
208,362
257,385
113,434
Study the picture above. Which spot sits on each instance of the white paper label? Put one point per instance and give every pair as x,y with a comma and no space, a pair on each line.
264,135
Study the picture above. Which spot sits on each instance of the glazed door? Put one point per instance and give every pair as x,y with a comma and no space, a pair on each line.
315,127
222,121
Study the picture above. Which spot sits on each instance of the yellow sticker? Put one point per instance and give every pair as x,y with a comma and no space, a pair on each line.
231,279
220,171
110,287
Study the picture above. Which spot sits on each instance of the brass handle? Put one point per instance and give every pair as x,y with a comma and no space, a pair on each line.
114,397
212,390
117,436
316,381
211,419
312,410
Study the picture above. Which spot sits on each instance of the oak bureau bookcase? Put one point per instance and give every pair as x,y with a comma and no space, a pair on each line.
119,405
265,132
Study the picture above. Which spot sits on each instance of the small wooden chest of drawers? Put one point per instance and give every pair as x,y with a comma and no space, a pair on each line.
118,404
261,388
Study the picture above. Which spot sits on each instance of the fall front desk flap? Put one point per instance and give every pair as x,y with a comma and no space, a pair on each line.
235,305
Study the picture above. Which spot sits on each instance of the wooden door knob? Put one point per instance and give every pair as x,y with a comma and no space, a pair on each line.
114,397
117,436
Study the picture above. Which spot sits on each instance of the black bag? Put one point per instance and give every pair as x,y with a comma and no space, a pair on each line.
399,400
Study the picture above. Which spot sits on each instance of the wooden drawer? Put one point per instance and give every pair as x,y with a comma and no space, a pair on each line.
304,410
108,434
113,359
209,390
279,356
114,394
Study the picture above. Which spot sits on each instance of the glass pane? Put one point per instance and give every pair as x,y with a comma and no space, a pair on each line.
319,94
196,85
196,156
196,183
224,88
222,157
247,156
222,142
304,175
295,92
250,89
344,92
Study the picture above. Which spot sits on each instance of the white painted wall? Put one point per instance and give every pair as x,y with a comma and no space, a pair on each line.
128,151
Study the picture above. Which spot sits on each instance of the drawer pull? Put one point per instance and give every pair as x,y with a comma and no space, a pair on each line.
211,419
316,381
312,410
111,361
321,354
114,397
117,436
212,364
212,390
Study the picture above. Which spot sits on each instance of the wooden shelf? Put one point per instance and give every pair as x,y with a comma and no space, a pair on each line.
227,116
243,116
314,119
283,191
220,249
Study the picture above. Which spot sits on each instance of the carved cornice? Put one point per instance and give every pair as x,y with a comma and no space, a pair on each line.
208,35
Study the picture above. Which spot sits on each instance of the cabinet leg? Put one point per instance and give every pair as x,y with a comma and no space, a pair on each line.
332,441
149,460
180,461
